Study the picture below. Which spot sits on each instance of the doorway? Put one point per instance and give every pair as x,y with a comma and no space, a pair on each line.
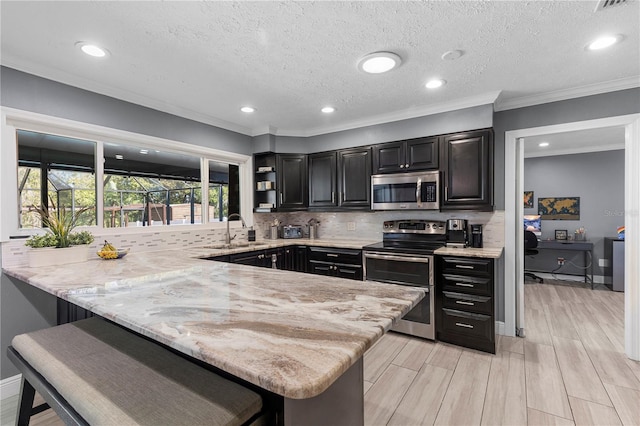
514,252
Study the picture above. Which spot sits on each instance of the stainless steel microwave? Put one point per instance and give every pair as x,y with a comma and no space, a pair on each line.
406,191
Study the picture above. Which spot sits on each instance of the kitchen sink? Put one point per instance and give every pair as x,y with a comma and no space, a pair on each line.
234,245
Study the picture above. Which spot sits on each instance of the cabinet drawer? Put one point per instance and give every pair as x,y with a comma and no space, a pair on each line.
346,256
467,302
472,325
464,284
465,265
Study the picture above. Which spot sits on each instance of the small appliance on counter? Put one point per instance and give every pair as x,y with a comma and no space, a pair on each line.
291,231
457,233
476,235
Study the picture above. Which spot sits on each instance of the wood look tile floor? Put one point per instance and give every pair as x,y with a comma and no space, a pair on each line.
569,370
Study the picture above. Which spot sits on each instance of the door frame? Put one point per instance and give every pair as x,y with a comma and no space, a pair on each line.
514,249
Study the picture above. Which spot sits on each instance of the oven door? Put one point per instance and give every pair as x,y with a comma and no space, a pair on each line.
410,270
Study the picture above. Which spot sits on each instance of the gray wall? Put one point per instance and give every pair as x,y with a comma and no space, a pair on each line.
30,93
24,309
610,104
479,117
598,179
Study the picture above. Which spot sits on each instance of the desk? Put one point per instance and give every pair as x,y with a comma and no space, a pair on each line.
585,247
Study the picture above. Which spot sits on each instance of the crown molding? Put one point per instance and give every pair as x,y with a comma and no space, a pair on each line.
564,94
470,102
64,77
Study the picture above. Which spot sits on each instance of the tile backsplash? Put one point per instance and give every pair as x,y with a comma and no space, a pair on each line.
357,226
14,252
368,225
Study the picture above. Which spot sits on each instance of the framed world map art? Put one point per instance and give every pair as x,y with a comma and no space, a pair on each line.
559,208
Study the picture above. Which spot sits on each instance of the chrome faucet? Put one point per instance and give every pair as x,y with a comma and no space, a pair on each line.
227,236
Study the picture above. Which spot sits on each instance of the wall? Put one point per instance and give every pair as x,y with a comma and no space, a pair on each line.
610,104
30,93
478,117
598,179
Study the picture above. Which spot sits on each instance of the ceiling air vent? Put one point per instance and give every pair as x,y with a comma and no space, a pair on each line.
608,4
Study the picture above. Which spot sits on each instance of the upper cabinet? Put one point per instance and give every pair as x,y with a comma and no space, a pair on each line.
340,179
408,155
323,179
291,182
467,171
354,178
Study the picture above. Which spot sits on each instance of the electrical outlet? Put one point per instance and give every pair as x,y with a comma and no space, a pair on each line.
561,261
351,226
603,263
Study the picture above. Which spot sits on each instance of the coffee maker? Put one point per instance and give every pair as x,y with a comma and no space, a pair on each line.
457,233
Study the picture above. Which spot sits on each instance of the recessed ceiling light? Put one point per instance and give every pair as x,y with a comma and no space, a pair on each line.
543,144
92,49
379,62
119,157
452,55
144,151
603,42
328,110
434,84
247,109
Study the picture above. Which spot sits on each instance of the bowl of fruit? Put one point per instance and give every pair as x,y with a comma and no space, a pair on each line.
108,251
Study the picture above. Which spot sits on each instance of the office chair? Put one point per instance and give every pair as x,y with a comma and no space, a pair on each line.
530,244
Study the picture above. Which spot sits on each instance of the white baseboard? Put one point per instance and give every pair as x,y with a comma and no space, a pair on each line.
500,327
10,386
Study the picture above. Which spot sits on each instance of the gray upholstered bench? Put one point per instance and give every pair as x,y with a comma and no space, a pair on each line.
94,372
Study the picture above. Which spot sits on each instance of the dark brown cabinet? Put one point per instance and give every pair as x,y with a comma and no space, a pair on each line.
291,182
409,155
340,179
467,171
342,263
465,306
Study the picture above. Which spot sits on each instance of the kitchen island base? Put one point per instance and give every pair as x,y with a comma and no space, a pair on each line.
341,404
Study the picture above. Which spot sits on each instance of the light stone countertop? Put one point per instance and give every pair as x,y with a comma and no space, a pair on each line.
487,252
293,334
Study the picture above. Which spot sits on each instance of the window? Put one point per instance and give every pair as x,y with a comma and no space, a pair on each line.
140,186
55,171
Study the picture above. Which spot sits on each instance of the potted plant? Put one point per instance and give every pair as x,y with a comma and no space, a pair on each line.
60,245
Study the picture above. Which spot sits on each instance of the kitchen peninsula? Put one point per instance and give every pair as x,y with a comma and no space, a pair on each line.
298,337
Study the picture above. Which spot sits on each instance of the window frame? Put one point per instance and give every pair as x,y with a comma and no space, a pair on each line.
14,119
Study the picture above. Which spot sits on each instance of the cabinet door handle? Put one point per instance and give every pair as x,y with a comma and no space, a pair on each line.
446,192
406,166
464,267
281,199
333,197
332,255
460,302
402,166
461,324
464,285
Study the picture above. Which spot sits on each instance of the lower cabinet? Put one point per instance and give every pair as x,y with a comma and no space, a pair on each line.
294,258
465,304
342,263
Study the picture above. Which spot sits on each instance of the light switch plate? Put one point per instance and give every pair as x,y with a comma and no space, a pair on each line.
603,263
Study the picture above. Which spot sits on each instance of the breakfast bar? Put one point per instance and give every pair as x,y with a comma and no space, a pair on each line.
298,337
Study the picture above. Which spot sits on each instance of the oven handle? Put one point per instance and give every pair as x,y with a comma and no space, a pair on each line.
398,258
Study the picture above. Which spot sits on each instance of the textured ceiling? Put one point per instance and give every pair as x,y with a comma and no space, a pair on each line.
204,60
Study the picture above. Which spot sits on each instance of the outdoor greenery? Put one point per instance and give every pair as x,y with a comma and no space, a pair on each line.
133,194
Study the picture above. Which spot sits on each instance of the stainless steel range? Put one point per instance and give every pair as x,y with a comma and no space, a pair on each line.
405,257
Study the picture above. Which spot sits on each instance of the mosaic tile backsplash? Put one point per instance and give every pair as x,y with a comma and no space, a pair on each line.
368,226
354,226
